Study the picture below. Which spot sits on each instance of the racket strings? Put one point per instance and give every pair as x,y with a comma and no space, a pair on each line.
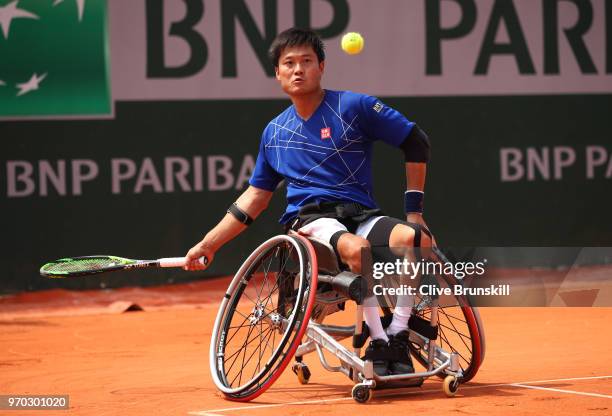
80,265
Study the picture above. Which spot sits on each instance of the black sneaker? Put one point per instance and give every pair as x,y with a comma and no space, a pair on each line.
378,353
401,363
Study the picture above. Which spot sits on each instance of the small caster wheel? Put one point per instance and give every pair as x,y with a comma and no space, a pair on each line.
361,393
302,372
450,385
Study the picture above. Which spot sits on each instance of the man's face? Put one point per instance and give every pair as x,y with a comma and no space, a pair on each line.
299,71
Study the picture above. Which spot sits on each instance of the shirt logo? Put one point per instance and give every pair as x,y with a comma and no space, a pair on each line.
377,107
326,133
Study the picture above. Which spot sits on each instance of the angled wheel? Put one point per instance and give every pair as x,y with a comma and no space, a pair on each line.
263,317
459,327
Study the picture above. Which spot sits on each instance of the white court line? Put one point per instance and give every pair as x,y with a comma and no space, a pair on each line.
520,384
563,391
263,406
564,379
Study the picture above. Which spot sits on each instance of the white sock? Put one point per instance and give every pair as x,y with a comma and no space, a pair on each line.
372,319
401,314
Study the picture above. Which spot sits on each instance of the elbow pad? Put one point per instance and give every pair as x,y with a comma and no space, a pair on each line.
416,146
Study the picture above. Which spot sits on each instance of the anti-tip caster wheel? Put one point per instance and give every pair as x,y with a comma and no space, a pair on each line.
302,372
361,393
450,385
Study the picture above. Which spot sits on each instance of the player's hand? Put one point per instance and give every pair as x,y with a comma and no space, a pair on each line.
193,257
418,219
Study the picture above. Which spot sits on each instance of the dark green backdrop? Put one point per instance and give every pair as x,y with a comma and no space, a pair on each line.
466,201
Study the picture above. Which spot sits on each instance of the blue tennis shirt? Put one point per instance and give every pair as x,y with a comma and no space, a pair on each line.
327,157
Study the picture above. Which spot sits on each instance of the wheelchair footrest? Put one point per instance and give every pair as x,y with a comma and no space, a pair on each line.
399,384
423,327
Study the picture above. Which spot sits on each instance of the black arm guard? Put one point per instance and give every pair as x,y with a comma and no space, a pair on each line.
416,146
239,214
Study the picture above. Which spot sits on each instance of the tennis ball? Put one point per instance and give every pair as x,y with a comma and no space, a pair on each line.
352,43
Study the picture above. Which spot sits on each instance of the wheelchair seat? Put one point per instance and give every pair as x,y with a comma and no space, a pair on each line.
326,257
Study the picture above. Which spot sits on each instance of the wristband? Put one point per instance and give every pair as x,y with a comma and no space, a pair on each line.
413,202
239,214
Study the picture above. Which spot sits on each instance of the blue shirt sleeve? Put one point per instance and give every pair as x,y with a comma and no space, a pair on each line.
382,122
264,176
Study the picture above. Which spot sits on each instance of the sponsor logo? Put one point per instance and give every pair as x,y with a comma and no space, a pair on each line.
46,44
377,107
326,133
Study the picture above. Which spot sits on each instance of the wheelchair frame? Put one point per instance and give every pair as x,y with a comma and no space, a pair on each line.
317,260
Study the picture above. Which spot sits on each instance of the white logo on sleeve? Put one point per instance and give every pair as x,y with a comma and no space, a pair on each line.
378,106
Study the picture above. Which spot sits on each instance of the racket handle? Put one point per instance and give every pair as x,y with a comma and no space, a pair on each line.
179,261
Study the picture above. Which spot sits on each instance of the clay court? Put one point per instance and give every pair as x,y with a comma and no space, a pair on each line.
155,360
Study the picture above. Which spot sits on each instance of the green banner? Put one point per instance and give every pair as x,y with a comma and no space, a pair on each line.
151,182
54,58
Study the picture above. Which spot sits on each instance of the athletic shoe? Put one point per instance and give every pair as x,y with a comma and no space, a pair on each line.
378,353
398,348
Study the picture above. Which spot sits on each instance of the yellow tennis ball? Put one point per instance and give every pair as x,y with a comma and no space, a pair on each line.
352,43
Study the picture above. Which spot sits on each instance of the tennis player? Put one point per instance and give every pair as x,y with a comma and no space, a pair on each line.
321,146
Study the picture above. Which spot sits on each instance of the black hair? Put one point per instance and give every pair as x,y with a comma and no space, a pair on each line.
296,37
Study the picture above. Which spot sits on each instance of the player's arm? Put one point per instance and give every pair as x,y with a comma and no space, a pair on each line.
248,207
417,151
392,127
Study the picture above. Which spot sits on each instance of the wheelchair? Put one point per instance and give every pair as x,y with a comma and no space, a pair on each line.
273,312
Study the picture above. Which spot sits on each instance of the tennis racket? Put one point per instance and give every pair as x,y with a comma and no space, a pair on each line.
82,266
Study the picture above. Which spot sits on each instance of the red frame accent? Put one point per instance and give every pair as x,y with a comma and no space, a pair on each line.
298,339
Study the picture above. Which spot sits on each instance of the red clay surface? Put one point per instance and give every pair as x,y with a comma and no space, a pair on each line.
156,361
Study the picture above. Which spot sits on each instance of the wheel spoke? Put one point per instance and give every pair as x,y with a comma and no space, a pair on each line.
265,276
237,353
457,331
246,318
443,336
245,362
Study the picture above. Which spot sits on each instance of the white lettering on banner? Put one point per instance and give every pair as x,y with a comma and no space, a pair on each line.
246,170
219,166
596,157
197,174
121,170
147,176
551,162
210,49
564,157
47,173
79,175
19,172
535,160
179,170
511,167
179,174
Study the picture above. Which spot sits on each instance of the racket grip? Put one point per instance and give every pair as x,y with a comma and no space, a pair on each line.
179,261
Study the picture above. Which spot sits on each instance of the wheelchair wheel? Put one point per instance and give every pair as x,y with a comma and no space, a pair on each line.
458,331
263,317
460,328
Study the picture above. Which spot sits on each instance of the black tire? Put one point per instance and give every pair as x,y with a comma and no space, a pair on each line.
263,317
361,393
